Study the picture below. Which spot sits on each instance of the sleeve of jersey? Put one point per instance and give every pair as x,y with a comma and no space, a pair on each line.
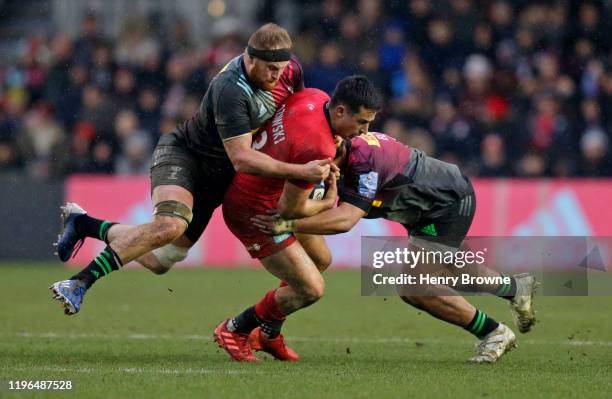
360,183
231,112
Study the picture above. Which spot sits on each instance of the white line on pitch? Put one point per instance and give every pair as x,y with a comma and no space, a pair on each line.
129,370
373,340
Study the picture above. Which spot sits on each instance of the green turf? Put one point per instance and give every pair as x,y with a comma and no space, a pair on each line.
141,335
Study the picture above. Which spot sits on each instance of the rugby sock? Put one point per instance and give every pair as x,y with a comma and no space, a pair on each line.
103,264
264,314
272,328
481,325
271,316
91,227
507,291
267,308
245,322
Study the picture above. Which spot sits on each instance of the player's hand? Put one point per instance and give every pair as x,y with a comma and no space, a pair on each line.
273,224
335,170
332,190
316,171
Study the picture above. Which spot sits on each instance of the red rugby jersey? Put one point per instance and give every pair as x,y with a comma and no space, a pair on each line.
298,132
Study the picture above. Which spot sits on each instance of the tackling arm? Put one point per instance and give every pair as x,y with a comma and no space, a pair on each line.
247,160
333,221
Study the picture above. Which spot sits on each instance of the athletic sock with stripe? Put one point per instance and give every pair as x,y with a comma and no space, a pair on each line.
105,263
88,226
507,291
481,325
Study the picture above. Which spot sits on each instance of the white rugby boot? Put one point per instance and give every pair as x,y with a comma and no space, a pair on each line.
494,345
521,305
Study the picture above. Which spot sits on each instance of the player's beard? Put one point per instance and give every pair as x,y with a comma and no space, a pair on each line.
264,84
268,86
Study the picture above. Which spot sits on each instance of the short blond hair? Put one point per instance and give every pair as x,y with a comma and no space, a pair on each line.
270,37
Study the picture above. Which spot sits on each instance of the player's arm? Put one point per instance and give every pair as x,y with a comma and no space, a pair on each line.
332,221
295,201
247,160
356,199
233,123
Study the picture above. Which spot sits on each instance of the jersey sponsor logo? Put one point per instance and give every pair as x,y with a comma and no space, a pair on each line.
562,215
381,136
368,183
370,139
280,237
260,140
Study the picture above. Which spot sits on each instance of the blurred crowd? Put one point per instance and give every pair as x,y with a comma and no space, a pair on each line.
501,88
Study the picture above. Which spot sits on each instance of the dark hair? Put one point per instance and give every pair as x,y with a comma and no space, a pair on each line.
356,91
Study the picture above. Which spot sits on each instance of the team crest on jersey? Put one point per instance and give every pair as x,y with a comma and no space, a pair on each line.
368,183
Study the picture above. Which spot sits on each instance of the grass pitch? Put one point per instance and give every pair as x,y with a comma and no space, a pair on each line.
145,336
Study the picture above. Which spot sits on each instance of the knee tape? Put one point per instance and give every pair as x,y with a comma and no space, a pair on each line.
170,254
174,209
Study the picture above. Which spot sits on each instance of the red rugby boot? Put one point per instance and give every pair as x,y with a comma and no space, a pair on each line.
276,346
235,344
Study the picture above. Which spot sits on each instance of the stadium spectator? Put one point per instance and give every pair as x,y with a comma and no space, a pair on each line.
123,95
595,153
329,70
495,60
41,142
493,159
9,156
149,110
135,157
96,109
88,41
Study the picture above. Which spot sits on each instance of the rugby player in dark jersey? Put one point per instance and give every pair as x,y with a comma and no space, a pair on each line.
193,166
383,178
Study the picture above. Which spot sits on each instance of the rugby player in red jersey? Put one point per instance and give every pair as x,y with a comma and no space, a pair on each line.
301,130
193,166
383,178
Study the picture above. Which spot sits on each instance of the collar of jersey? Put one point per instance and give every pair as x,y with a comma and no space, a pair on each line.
244,72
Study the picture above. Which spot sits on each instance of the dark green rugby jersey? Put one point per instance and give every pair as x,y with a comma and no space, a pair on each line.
232,106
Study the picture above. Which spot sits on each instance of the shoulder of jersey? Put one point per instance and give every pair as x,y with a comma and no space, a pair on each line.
230,72
362,147
308,100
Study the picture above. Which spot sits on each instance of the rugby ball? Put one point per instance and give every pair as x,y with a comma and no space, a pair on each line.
318,192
